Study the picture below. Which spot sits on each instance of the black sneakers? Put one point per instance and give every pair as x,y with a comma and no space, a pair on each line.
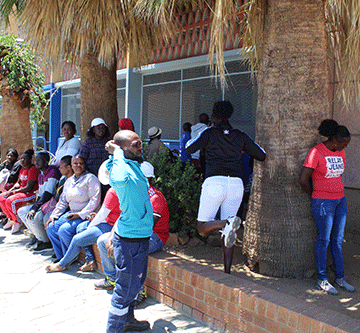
136,325
42,247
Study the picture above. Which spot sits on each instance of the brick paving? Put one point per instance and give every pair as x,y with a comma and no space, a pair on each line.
33,300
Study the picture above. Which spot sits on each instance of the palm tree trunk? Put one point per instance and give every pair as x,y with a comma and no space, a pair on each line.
98,94
14,124
293,98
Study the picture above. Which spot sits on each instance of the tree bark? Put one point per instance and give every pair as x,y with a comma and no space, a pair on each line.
14,124
293,98
98,94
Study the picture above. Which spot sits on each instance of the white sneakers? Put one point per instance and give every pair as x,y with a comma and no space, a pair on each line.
229,231
326,286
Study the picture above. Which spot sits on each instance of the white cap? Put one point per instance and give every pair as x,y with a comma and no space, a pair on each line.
103,173
147,169
97,121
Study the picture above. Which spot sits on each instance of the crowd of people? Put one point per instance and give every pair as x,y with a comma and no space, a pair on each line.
101,193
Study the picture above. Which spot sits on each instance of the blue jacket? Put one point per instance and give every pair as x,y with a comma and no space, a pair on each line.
131,187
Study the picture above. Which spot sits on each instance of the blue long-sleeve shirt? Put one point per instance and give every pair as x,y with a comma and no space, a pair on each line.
131,187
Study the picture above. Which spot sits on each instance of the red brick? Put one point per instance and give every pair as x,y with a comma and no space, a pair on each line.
199,294
221,304
271,311
169,301
186,300
272,327
304,324
197,314
151,292
261,307
250,328
282,315
234,295
210,300
172,272
214,313
209,285
216,289
233,309
258,320
170,282
251,303
187,277
225,293
179,273
207,319
285,329
243,299
245,315
316,326
328,329
230,329
153,284
179,286
201,282
189,290
293,320
194,280
203,307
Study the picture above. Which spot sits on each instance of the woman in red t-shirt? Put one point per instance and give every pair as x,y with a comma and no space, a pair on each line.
321,178
21,193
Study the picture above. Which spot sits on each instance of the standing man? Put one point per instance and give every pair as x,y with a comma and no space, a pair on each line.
133,230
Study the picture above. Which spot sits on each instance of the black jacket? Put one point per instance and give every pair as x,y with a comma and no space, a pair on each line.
224,146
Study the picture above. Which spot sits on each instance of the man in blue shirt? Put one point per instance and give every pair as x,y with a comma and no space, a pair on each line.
132,232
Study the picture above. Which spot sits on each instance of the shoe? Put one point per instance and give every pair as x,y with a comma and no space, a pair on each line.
8,224
88,266
343,284
32,242
136,325
105,284
42,247
140,298
229,231
326,286
15,228
53,268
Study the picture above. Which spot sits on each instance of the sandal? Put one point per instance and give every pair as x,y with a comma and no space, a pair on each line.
88,266
52,268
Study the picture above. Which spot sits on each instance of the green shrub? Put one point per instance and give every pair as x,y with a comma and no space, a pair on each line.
181,188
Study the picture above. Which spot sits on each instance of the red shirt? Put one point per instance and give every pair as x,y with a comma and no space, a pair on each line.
160,208
328,167
29,174
111,202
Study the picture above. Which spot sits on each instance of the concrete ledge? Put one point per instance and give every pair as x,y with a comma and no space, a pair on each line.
233,304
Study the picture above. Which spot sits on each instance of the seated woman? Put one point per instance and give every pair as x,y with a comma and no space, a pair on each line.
71,146
21,193
87,234
81,194
13,165
93,149
32,215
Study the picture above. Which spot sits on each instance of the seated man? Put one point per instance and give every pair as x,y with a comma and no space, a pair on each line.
157,241
32,215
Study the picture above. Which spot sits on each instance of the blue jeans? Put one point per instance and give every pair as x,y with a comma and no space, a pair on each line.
85,237
61,233
131,267
108,264
330,216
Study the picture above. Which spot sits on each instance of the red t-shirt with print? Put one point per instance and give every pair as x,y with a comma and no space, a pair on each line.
29,174
328,167
160,208
111,202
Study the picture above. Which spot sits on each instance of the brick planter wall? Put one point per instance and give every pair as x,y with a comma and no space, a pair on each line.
233,304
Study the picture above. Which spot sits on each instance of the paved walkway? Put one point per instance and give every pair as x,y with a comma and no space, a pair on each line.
32,300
